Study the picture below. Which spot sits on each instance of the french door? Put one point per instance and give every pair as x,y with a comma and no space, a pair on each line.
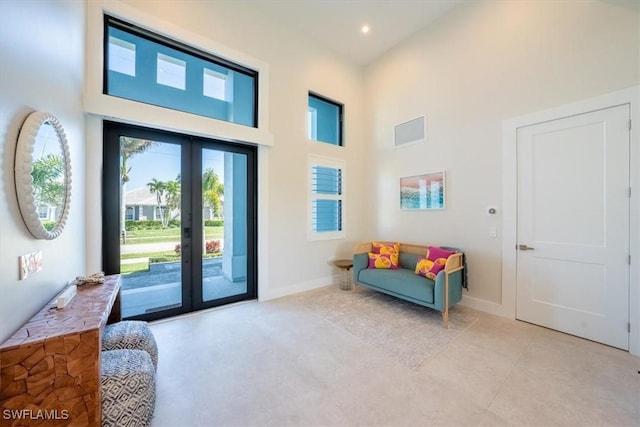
179,220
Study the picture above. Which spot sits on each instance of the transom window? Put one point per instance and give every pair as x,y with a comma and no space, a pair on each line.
146,67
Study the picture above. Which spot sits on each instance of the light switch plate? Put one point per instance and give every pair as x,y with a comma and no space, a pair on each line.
30,263
493,232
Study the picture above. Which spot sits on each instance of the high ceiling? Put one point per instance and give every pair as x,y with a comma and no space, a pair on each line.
337,23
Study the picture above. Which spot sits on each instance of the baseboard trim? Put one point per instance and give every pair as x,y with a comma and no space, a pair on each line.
298,287
486,306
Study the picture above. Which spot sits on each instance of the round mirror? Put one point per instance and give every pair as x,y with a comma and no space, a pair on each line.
43,175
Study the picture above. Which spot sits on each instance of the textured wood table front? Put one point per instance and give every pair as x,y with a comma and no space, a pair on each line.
50,368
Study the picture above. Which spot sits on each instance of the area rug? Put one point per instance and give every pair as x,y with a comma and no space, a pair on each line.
407,332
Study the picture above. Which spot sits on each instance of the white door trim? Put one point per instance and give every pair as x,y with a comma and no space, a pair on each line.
509,196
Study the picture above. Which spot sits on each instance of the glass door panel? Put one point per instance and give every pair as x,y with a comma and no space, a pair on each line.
150,226
224,224
179,220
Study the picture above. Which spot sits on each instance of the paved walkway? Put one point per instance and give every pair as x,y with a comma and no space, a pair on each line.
148,247
153,247
160,288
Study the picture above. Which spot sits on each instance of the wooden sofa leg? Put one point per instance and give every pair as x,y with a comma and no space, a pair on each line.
445,312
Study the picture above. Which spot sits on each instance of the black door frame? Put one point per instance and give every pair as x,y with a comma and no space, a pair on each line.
191,161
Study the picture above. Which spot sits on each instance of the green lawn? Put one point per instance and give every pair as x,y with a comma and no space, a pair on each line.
168,235
158,236
134,268
163,256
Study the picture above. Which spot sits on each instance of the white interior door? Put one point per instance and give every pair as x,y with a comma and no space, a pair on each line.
573,225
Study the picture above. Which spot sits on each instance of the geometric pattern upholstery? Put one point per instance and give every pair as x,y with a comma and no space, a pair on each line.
132,335
128,387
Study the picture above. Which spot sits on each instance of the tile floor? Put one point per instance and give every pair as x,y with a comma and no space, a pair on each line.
277,364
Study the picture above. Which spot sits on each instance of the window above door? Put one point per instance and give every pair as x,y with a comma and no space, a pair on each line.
99,104
146,67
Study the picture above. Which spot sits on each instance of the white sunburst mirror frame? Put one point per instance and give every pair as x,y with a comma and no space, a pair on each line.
27,140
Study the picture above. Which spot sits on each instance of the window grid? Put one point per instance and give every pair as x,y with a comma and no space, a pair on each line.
326,193
147,67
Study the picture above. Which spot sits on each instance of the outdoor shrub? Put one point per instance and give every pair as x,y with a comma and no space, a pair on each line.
213,246
132,225
178,248
48,225
164,258
214,223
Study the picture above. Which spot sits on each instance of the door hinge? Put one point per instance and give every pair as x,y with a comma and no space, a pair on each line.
628,326
629,124
629,260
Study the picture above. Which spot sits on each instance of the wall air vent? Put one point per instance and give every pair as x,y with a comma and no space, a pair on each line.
410,132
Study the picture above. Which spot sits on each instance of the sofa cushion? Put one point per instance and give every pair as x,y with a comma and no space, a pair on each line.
430,269
386,248
408,260
435,252
403,282
433,263
383,261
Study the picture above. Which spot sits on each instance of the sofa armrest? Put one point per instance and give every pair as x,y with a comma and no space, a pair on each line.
364,247
360,262
454,263
455,289
448,287
360,258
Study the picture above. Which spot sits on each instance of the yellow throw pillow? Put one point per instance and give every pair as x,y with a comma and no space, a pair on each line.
430,269
389,261
386,248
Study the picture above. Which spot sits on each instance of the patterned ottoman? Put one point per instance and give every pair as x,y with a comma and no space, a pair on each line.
128,387
133,335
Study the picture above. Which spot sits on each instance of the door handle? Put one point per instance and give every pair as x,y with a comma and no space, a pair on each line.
525,248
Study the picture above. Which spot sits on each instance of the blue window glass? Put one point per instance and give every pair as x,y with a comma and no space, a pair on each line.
326,209
324,120
145,67
327,215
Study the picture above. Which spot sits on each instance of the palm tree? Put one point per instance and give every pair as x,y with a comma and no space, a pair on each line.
172,195
129,147
48,180
158,188
212,191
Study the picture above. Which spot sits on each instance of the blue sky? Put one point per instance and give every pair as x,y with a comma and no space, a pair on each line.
162,161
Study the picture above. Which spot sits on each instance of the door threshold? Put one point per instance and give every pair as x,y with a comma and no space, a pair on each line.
198,312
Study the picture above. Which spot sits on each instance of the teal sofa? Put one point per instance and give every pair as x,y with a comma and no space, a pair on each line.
439,294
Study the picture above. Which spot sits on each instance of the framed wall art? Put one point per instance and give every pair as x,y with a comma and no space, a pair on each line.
422,191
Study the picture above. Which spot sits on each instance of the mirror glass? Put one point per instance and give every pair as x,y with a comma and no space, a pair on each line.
47,174
43,175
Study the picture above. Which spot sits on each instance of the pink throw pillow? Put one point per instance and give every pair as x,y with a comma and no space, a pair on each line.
387,261
386,248
433,263
435,252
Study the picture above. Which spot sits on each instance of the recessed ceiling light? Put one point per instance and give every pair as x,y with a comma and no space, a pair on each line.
364,29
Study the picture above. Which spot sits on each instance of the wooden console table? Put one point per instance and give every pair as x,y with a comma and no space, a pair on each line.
50,368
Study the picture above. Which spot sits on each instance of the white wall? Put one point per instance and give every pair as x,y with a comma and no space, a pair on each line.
288,262
478,65
41,69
